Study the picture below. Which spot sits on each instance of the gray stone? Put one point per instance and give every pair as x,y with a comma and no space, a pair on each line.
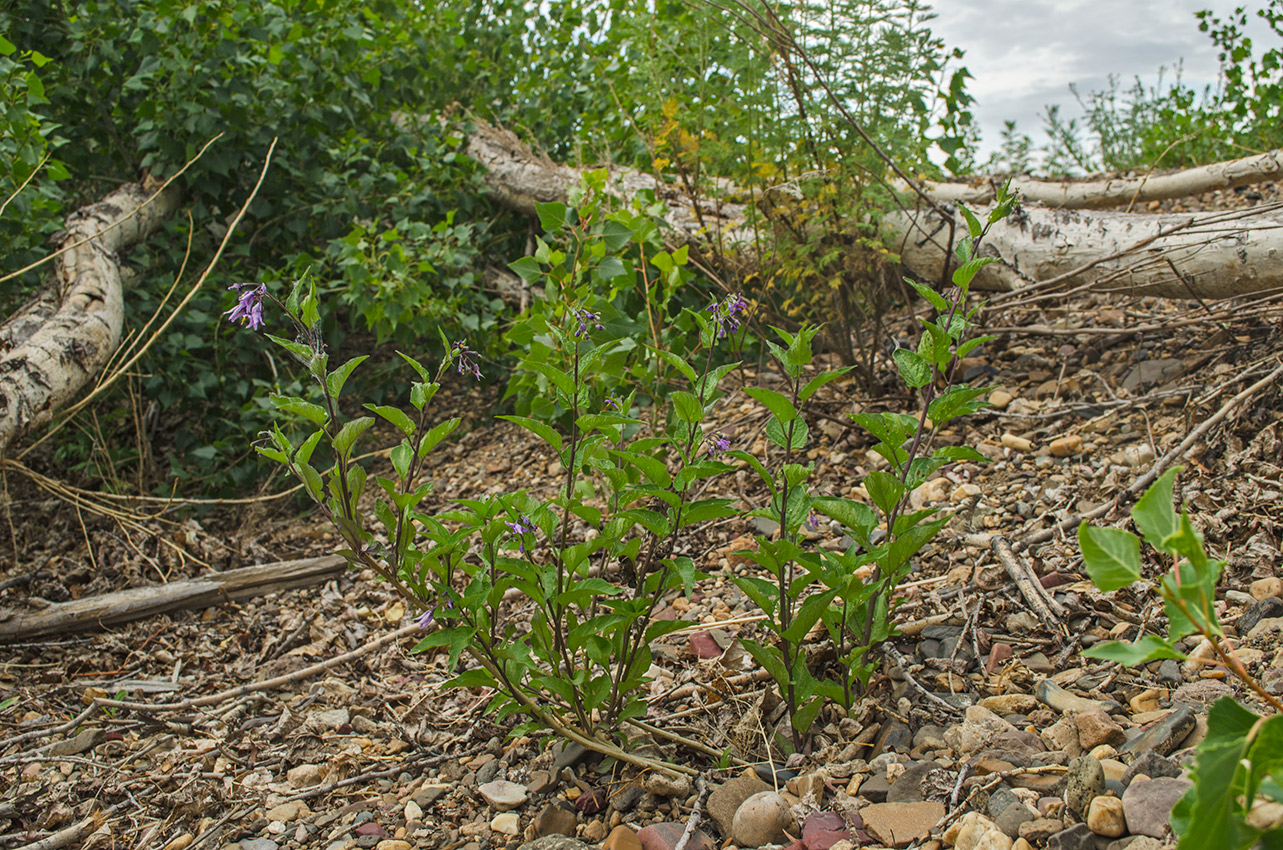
1054,696
488,771
1085,780
1137,842
1151,373
1150,764
929,737
1147,805
1077,837
907,788
876,787
567,754
1169,672
258,844
626,800
1164,736
1263,609
503,795
1012,818
1200,694
999,799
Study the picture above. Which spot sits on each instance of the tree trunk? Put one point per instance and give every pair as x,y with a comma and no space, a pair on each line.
1206,255
1120,191
50,354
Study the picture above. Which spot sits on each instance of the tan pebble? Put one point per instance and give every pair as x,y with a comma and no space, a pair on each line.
999,399
965,491
1016,444
507,823
1150,699
1066,446
393,844
1105,817
181,842
1265,587
622,838
1021,844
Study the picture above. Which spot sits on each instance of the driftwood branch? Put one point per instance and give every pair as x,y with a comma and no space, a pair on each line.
124,606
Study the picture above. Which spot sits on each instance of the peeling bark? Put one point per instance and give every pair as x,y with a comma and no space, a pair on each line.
1206,255
48,355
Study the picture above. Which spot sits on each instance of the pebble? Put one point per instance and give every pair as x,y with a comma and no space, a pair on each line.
393,844
1264,588
999,399
663,785
1013,817
727,797
1164,736
259,844
907,787
502,795
1016,444
1077,837
622,838
899,824
822,830
1148,804
762,819
1054,696
1105,817
1009,704
1085,780
664,836
1066,446
507,823
979,728
305,775
1263,609
1039,830
556,819
1095,727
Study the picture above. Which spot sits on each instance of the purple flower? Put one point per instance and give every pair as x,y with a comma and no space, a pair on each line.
726,314
612,403
717,444
465,360
585,319
249,307
425,619
813,520
520,527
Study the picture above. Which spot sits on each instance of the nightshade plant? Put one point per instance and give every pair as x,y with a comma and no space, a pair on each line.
1240,762
555,598
805,587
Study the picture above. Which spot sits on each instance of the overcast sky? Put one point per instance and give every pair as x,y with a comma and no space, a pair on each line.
1024,53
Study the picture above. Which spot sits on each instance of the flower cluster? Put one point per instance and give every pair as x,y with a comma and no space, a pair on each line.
249,306
718,444
464,359
521,527
726,314
586,318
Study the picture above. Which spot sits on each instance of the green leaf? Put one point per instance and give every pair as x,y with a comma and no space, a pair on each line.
1154,514
778,434
1148,648
955,402
935,298
350,433
820,380
541,429
312,412
677,363
959,453
456,638
966,272
687,406
1209,815
527,268
1111,556
552,215
335,380
973,224
777,403
763,593
394,415
436,435
885,489
915,370
767,658
401,455
808,613
805,715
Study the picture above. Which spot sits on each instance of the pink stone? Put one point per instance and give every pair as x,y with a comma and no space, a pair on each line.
664,836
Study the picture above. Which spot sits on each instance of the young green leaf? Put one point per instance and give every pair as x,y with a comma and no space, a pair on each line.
1111,556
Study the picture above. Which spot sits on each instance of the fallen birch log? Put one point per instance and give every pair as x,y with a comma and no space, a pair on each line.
1206,255
65,335
123,606
1120,191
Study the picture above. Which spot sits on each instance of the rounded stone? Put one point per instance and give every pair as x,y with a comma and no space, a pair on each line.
761,819
1105,817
